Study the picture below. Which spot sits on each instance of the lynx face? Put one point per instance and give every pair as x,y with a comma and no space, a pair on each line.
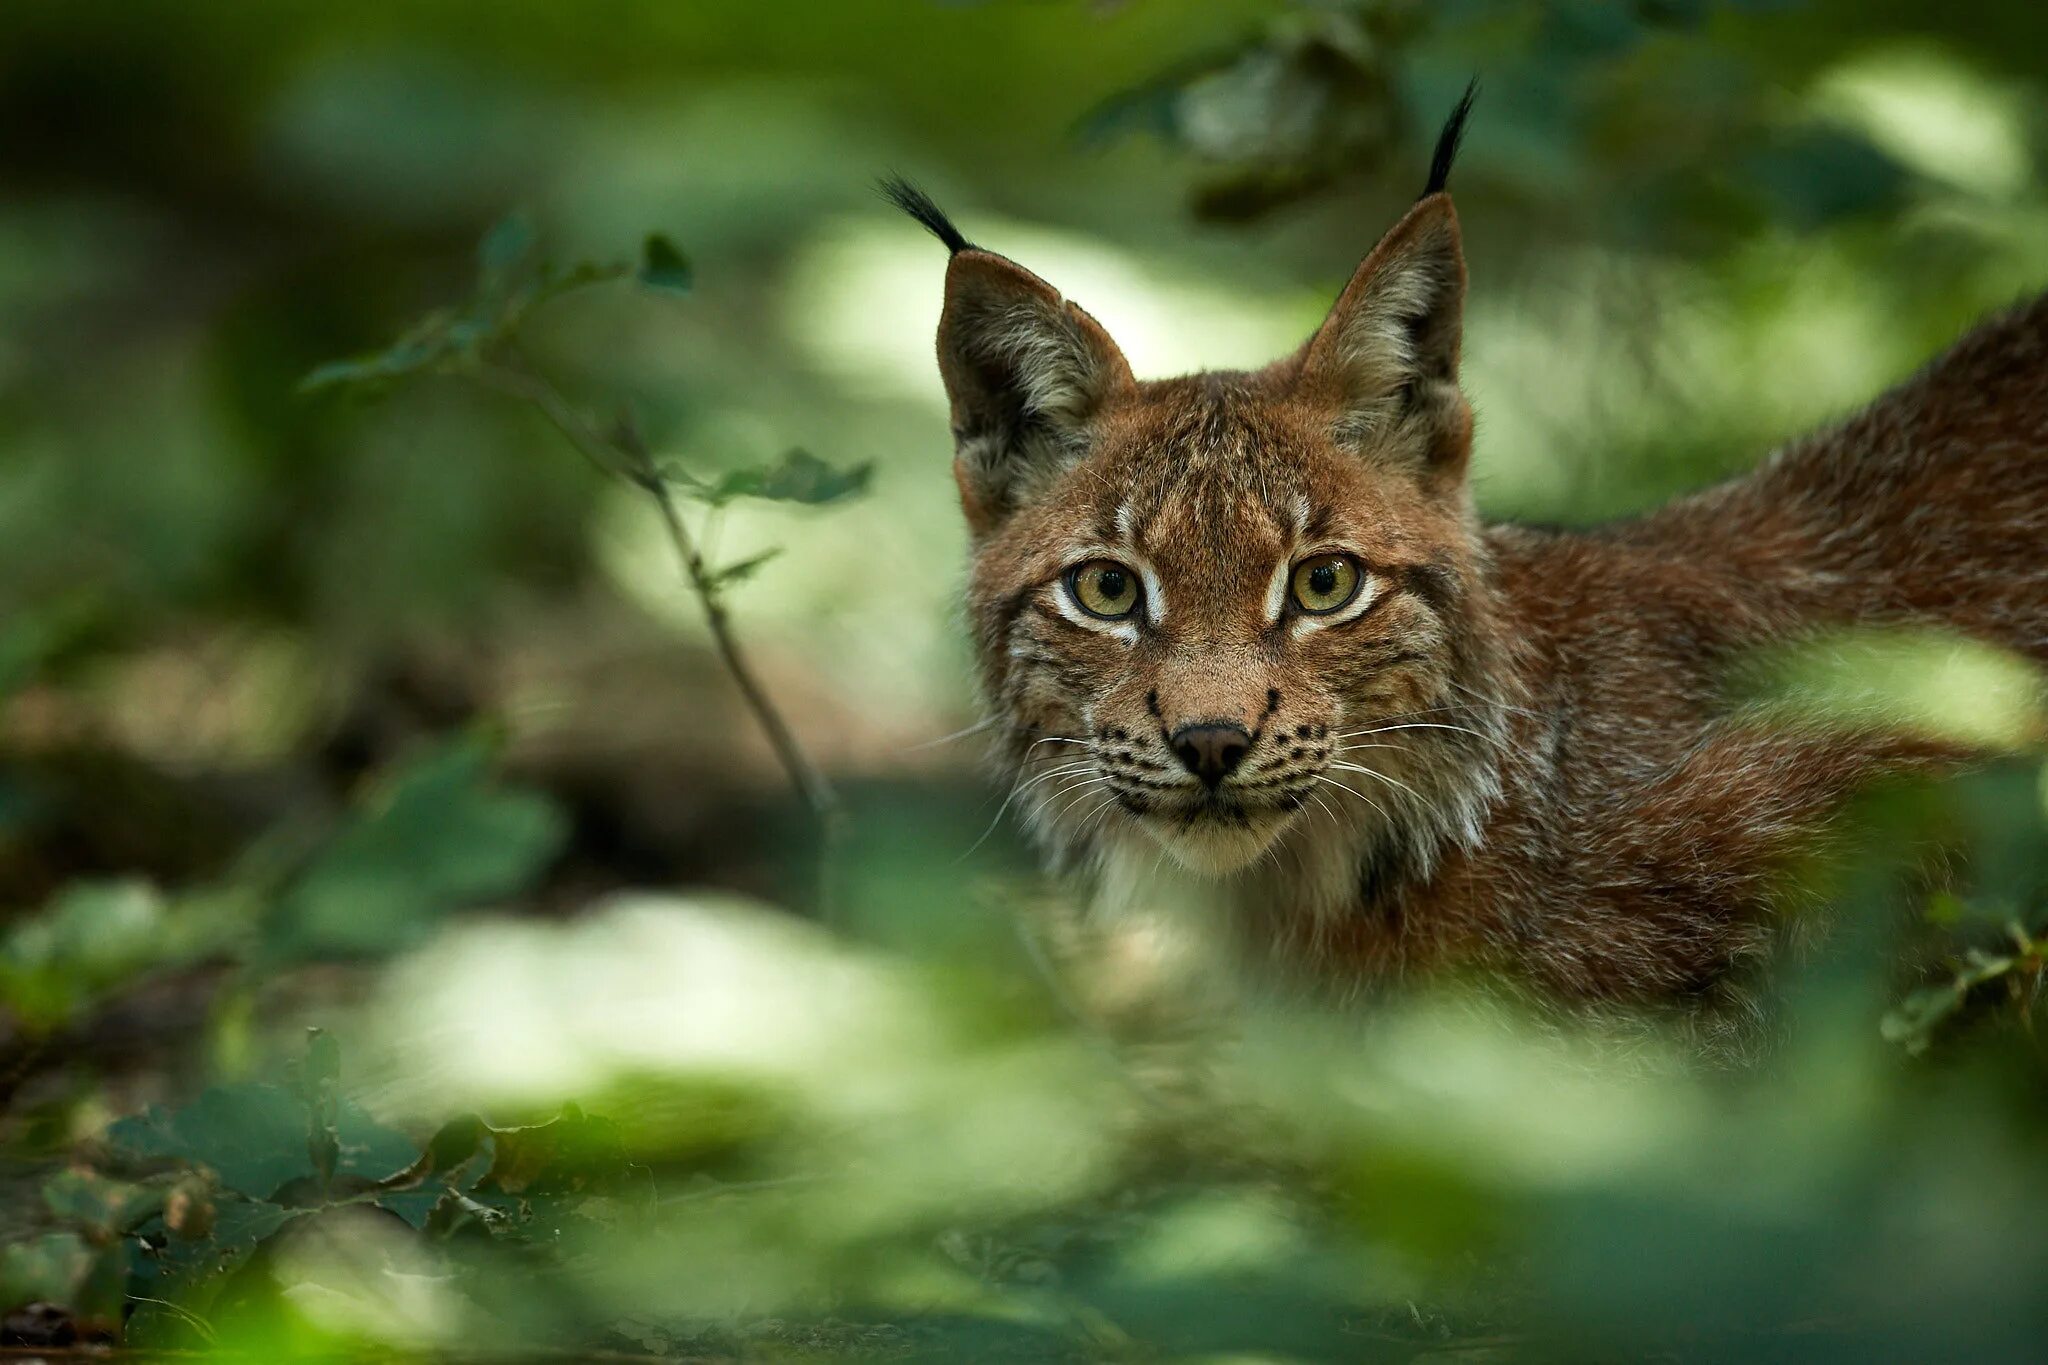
1206,628
1227,615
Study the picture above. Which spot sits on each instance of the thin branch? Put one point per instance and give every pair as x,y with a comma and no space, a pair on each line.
803,775
624,455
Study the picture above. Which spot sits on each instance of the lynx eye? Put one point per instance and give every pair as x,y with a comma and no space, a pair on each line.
1326,582
1104,588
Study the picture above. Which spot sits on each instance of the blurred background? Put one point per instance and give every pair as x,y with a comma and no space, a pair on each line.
381,711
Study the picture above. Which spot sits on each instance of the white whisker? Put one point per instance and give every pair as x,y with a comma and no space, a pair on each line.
1374,772
1485,700
1017,789
1074,796
1353,791
1084,765
1078,784
1416,725
973,729
1088,819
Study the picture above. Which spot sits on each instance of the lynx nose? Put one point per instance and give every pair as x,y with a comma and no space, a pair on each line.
1211,750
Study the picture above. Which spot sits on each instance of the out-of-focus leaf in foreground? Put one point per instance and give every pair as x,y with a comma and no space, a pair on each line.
1933,683
436,835
97,936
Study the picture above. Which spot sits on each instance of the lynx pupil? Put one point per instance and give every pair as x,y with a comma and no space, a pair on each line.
1322,580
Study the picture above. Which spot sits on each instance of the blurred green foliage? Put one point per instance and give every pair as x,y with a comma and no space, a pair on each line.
379,717
436,837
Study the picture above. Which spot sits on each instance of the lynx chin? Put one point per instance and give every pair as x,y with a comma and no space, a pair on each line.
1246,629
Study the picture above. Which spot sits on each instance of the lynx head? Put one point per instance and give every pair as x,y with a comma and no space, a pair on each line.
1232,611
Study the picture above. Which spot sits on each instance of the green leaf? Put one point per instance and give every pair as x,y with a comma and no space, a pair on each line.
437,341
728,574
509,286
663,266
170,1268
254,1137
799,477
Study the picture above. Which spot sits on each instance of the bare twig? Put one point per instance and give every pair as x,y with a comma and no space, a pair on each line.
623,454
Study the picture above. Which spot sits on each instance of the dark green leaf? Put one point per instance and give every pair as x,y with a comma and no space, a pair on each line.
663,266
254,1137
798,477
174,1267
738,572
435,342
313,1191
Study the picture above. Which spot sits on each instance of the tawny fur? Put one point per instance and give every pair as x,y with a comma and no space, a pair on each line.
1516,754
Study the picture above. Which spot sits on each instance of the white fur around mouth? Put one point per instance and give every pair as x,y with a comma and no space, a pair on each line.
1215,847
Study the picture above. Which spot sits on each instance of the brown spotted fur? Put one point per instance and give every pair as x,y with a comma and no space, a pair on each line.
1567,798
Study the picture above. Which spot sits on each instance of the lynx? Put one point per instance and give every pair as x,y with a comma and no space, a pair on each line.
1248,625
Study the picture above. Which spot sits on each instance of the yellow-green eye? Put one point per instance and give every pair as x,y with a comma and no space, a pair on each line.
1325,583
1103,587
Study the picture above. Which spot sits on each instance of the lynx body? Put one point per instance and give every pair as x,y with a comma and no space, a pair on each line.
1248,625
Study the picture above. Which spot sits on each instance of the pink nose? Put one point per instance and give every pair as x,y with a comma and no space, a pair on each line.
1211,750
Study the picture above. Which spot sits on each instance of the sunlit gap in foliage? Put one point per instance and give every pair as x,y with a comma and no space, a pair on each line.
864,298
1946,121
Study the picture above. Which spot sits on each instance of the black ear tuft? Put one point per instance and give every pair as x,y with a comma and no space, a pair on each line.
1447,142
919,205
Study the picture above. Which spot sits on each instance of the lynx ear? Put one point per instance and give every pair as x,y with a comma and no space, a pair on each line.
1385,361
1027,373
